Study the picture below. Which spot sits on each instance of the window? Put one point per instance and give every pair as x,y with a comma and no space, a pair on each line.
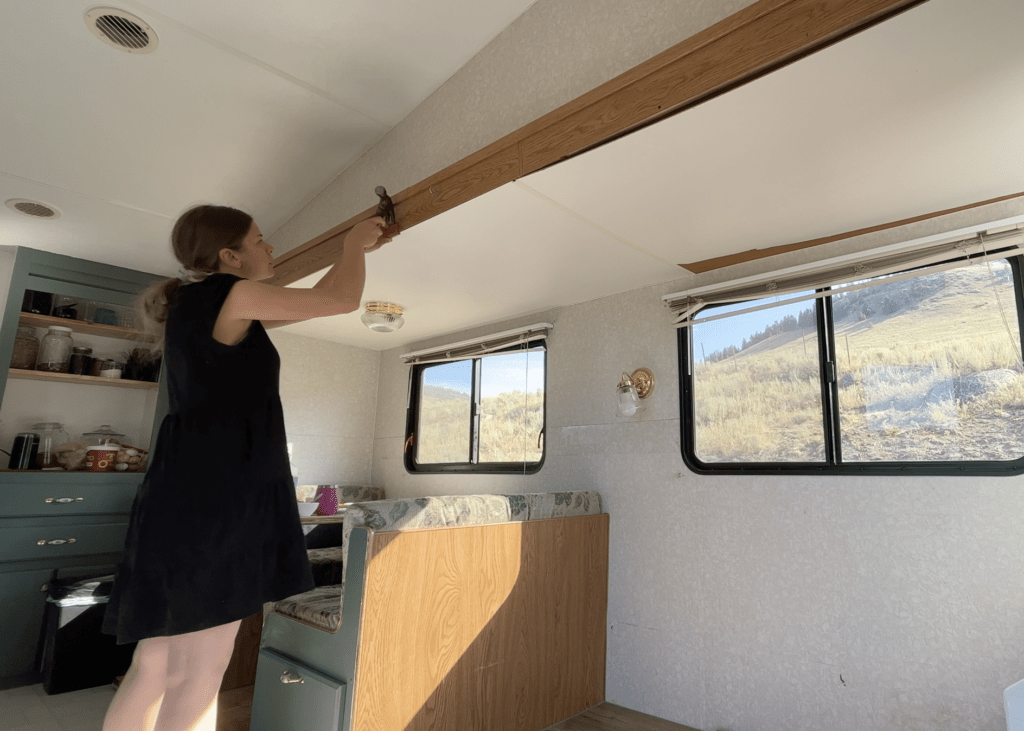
483,414
914,372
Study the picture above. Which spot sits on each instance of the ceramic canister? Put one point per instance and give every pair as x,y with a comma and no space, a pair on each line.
327,495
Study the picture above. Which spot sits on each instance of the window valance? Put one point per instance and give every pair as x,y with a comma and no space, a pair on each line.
848,274
478,347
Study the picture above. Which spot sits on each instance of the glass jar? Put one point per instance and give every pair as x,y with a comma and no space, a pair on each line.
66,306
104,435
81,361
26,349
55,350
51,435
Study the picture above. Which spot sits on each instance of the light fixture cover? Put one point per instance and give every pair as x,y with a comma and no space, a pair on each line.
383,317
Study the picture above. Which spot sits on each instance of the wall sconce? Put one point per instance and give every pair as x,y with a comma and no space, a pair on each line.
633,387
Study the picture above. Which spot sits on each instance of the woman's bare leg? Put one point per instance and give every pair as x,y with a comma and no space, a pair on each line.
137,701
195,669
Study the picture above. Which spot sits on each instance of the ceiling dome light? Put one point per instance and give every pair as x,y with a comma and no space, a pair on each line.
383,317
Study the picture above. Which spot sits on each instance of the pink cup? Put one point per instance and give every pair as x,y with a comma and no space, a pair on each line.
328,497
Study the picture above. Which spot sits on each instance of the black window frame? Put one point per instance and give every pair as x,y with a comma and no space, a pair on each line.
493,468
830,412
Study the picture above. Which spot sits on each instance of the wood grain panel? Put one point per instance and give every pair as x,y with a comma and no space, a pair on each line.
698,267
498,627
758,39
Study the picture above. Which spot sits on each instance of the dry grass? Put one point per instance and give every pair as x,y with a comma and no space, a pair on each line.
510,425
896,373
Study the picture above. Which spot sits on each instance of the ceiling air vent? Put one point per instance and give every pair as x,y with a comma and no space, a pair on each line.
121,30
36,209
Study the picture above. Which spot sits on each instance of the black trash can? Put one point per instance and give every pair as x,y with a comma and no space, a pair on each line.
76,654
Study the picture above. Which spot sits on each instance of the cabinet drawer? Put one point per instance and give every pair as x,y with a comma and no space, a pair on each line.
280,701
54,500
17,544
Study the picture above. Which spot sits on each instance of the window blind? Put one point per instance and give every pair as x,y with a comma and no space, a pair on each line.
846,276
480,346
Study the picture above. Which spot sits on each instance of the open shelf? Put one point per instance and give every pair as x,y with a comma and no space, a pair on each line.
74,378
28,319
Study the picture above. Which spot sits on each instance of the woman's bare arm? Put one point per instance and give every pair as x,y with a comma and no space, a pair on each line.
338,292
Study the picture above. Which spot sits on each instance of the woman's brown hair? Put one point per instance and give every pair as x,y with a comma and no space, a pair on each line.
197,238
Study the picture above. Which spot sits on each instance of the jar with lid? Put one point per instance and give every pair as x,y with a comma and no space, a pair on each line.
26,348
51,436
55,350
103,435
81,361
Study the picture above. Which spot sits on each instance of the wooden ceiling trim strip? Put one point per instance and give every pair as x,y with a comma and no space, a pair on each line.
707,265
762,37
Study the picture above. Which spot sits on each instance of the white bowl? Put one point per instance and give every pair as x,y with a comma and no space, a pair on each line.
307,509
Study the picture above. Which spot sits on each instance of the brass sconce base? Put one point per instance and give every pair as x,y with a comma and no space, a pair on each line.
643,380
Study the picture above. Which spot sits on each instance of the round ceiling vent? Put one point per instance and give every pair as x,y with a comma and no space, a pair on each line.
122,30
36,209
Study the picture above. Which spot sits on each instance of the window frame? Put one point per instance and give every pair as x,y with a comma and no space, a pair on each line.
499,468
830,412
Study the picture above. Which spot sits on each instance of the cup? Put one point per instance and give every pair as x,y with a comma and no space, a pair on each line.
327,496
101,458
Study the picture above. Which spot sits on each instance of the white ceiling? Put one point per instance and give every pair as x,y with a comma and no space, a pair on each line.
922,113
253,103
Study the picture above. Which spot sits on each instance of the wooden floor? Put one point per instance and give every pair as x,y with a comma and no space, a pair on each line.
607,717
235,708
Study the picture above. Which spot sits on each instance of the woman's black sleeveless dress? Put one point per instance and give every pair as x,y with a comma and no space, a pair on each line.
214,529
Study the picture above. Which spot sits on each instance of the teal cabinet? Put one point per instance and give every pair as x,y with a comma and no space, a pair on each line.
292,695
63,524
21,615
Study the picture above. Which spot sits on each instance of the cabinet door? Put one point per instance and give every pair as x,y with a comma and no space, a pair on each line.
289,695
22,601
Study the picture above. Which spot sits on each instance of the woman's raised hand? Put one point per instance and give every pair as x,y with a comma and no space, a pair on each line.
367,234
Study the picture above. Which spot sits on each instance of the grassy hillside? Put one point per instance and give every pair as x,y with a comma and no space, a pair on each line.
926,367
510,425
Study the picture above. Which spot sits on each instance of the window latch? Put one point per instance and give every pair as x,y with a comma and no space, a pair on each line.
830,372
408,443
540,436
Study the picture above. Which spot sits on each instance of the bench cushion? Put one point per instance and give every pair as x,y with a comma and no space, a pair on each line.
320,608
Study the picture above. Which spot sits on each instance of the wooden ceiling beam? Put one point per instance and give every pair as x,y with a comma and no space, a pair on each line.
759,39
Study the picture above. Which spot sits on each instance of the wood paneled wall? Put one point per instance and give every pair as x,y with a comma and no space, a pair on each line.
498,627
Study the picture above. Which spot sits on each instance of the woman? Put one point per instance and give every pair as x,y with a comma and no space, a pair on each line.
214,530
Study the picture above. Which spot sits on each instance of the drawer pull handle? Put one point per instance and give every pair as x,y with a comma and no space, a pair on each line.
288,677
57,542
64,499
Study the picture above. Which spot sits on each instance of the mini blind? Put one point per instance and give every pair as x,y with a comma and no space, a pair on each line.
846,276
480,346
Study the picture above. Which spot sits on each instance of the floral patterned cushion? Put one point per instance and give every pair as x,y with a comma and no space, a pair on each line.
544,505
319,608
359,493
